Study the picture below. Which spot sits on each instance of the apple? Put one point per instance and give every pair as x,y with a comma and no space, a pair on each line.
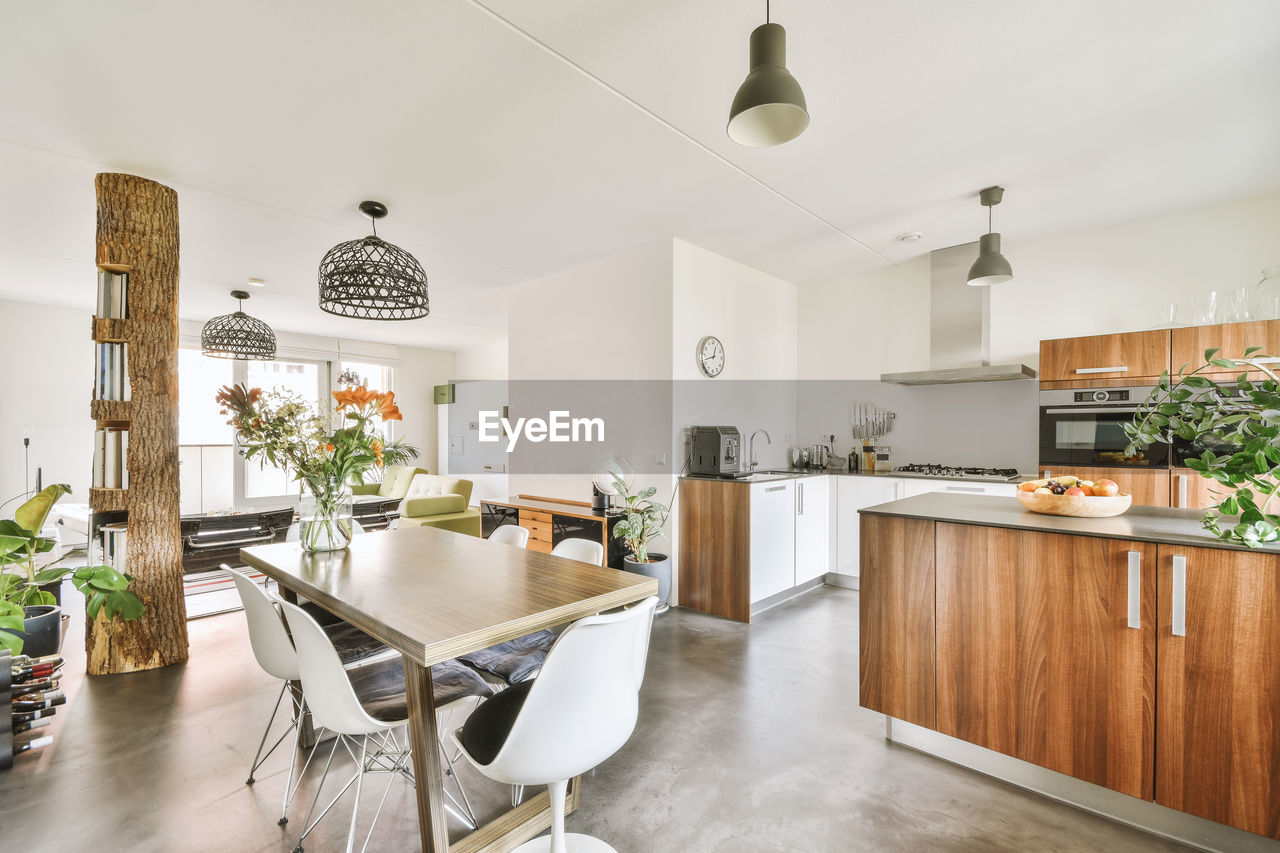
1074,490
1088,490
1106,488
1028,486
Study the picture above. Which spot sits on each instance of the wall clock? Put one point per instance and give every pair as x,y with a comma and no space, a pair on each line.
710,355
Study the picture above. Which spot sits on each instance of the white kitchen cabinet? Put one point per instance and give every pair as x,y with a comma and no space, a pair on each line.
853,494
773,537
921,486
813,527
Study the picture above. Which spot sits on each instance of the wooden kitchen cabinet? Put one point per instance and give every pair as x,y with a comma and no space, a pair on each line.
896,618
1189,345
1188,490
1218,708
1149,487
1131,355
1046,650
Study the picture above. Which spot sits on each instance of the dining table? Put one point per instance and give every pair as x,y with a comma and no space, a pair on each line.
432,595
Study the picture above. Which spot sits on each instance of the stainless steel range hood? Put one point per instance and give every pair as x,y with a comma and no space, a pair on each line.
959,327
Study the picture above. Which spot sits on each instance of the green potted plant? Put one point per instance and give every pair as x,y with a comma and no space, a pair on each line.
644,521
1233,432
30,617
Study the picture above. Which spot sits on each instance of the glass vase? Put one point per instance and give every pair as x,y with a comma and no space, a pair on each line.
325,518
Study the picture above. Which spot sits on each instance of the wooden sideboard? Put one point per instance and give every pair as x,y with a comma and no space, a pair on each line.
549,521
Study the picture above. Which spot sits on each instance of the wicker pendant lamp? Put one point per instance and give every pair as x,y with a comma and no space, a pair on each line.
372,279
238,335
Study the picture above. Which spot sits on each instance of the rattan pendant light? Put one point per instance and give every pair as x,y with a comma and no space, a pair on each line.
372,279
238,335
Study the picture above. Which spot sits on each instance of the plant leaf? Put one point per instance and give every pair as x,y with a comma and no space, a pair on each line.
32,514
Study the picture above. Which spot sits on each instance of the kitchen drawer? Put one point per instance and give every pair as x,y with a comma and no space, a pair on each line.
539,531
529,515
539,546
1131,355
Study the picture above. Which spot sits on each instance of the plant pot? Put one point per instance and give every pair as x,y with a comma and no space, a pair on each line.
659,566
41,632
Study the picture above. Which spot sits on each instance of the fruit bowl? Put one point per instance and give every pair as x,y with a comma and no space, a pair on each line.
1078,506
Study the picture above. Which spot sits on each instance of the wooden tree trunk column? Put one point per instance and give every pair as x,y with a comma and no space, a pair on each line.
138,229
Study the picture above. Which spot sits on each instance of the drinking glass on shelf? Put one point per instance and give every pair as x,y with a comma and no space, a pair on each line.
1165,317
1233,306
1264,297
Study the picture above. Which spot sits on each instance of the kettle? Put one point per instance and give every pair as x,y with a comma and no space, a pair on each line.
818,456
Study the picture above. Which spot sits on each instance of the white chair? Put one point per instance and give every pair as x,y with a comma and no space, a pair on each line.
510,534
580,710
583,550
365,708
275,654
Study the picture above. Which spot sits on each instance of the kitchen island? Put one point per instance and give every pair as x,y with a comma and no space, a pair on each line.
1137,653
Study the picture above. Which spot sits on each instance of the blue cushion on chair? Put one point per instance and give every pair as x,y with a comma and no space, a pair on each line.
515,660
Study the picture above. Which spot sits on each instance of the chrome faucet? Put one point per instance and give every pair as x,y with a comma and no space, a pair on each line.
751,447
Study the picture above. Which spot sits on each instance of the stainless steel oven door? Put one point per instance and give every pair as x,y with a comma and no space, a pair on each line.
1086,427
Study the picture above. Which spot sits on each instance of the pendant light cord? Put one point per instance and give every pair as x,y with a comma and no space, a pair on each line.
766,11
989,217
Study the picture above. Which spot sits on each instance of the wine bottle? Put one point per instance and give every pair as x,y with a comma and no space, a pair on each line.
37,686
27,660
19,728
39,701
19,748
18,673
28,716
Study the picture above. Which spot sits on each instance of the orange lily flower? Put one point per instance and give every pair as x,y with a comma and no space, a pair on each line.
376,447
344,398
387,407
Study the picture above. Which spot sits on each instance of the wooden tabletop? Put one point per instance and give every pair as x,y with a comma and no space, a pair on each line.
434,594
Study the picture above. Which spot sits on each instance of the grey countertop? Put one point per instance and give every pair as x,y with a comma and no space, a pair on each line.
784,474
1140,523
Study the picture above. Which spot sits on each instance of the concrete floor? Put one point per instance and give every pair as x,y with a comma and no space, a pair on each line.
750,739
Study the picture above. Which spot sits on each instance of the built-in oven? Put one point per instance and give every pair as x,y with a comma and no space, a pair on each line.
1085,426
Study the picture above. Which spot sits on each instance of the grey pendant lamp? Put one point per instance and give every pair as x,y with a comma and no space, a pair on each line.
991,266
238,335
372,279
769,108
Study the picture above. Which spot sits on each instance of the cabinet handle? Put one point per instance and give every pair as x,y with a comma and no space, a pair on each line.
975,489
1271,359
1047,473
774,488
800,498
1135,589
1179,596
1182,491
1117,369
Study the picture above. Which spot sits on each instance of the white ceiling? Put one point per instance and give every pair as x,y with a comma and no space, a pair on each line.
501,160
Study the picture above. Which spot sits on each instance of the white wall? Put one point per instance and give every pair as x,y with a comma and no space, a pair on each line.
754,316
417,372
47,360
483,362
609,319
1094,282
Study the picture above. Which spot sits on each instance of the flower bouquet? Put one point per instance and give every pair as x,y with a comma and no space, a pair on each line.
325,451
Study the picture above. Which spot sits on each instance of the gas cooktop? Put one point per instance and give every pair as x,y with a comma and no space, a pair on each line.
955,472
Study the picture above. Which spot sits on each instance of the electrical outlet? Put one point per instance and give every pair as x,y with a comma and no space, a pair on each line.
455,445
660,458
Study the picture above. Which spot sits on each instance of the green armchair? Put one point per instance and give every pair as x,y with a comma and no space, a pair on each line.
395,483
444,502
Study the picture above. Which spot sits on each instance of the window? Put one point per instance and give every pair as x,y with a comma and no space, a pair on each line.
307,379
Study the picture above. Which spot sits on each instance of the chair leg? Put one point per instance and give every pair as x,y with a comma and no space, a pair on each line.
258,757
558,791
517,794
300,707
355,807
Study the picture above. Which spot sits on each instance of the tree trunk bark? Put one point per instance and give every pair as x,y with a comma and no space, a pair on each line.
138,229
